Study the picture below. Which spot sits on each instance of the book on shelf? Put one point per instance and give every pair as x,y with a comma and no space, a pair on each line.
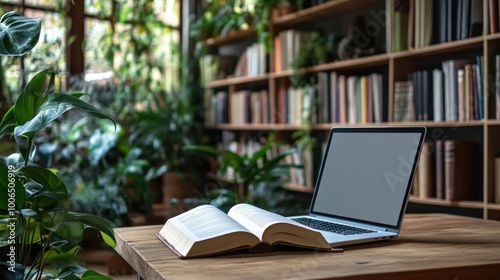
461,170
216,107
411,24
403,107
290,43
252,61
247,107
497,87
206,230
476,18
400,28
425,171
439,171
493,16
438,94
496,190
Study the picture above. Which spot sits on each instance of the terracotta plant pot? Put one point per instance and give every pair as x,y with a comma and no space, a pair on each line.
178,187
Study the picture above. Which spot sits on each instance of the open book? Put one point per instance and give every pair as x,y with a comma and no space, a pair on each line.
206,230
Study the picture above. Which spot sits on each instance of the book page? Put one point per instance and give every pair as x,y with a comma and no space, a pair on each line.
201,223
206,222
256,220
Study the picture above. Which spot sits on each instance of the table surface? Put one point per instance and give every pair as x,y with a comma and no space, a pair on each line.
430,246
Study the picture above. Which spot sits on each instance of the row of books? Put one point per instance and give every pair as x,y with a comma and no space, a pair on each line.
449,170
249,107
252,61
453,93
420,23
287,45
350,99
335,99
216,110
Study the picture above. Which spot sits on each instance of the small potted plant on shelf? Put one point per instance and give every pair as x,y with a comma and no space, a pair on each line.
41,237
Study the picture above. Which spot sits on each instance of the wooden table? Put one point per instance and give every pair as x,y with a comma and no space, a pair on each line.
430,246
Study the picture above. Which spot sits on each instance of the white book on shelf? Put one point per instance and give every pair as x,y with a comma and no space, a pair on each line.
447,96
376,93
351,99
437,91
461,94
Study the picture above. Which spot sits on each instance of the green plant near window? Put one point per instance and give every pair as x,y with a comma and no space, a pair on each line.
40,235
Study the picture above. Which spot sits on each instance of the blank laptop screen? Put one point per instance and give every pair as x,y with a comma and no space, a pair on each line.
365,176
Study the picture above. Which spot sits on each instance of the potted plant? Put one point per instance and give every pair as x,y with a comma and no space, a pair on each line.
161,130
258,175
39,234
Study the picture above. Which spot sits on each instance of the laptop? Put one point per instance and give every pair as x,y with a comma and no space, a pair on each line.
364,183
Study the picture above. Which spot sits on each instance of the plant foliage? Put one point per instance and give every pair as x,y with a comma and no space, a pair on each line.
41,235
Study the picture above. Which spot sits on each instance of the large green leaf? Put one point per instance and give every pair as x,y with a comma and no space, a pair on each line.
31,98
45,177
54,191
8,121
104,226
92,275
18,34
7,181
54,106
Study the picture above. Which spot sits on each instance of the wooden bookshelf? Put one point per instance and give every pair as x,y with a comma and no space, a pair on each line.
394,67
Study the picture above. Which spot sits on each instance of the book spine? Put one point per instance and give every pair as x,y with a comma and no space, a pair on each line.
440,169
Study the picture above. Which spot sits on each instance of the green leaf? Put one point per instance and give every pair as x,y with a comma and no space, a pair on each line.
6,177
104,226
92,275
18,34
54,106
6,126
44,177
30,99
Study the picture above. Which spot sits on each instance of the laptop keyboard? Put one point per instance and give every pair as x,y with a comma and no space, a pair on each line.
332,227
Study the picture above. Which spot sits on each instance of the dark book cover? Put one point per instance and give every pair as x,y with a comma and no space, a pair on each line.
451,18
476,18
442,12
465,21
460,170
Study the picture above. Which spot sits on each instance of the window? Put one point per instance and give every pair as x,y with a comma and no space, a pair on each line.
119,39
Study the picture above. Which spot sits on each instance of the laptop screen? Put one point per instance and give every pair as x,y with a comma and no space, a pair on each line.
366,173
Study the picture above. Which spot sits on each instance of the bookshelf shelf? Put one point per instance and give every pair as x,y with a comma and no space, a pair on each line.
493,206
232,37
255,127
474,121
319,12
441,202
345,65
238,80
475,43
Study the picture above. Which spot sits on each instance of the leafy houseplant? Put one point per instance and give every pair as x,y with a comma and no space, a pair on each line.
39,234
260,175
161,131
